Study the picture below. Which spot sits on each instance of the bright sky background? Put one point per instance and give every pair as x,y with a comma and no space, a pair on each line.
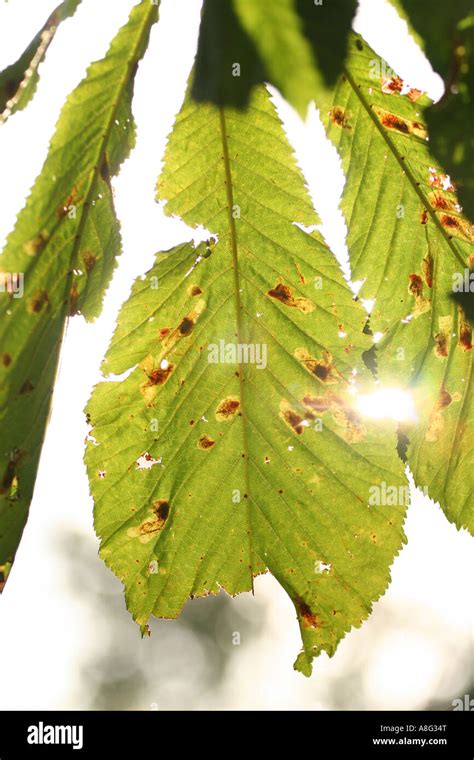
422,630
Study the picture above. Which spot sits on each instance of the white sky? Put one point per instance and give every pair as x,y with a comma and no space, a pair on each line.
43,629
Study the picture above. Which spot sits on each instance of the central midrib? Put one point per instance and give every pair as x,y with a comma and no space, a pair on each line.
238,313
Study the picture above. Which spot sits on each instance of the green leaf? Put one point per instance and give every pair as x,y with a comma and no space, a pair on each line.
410,243
447,37
59,259
208,466
19,81
223,45
297,45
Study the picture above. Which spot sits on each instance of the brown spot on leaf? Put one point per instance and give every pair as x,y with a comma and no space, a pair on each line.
450,222
391,121
436,419
322,371
64,209
205,442
424,216
6,359
350,422
413,94
194,290
300,274
227,408
465,332
415,287
442,338
5,572
391,86
427,266
157,375
457,226
441,345
186,327
152,525
291,417
27,387
3,580
169,336
36,245
319,403
338,116
400,124
160,376
444,399
39,301
89,261
161,508
9,476
308,618
73,300
440,202
284,295
323,368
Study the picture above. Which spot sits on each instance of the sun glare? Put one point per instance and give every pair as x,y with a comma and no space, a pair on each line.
388,403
